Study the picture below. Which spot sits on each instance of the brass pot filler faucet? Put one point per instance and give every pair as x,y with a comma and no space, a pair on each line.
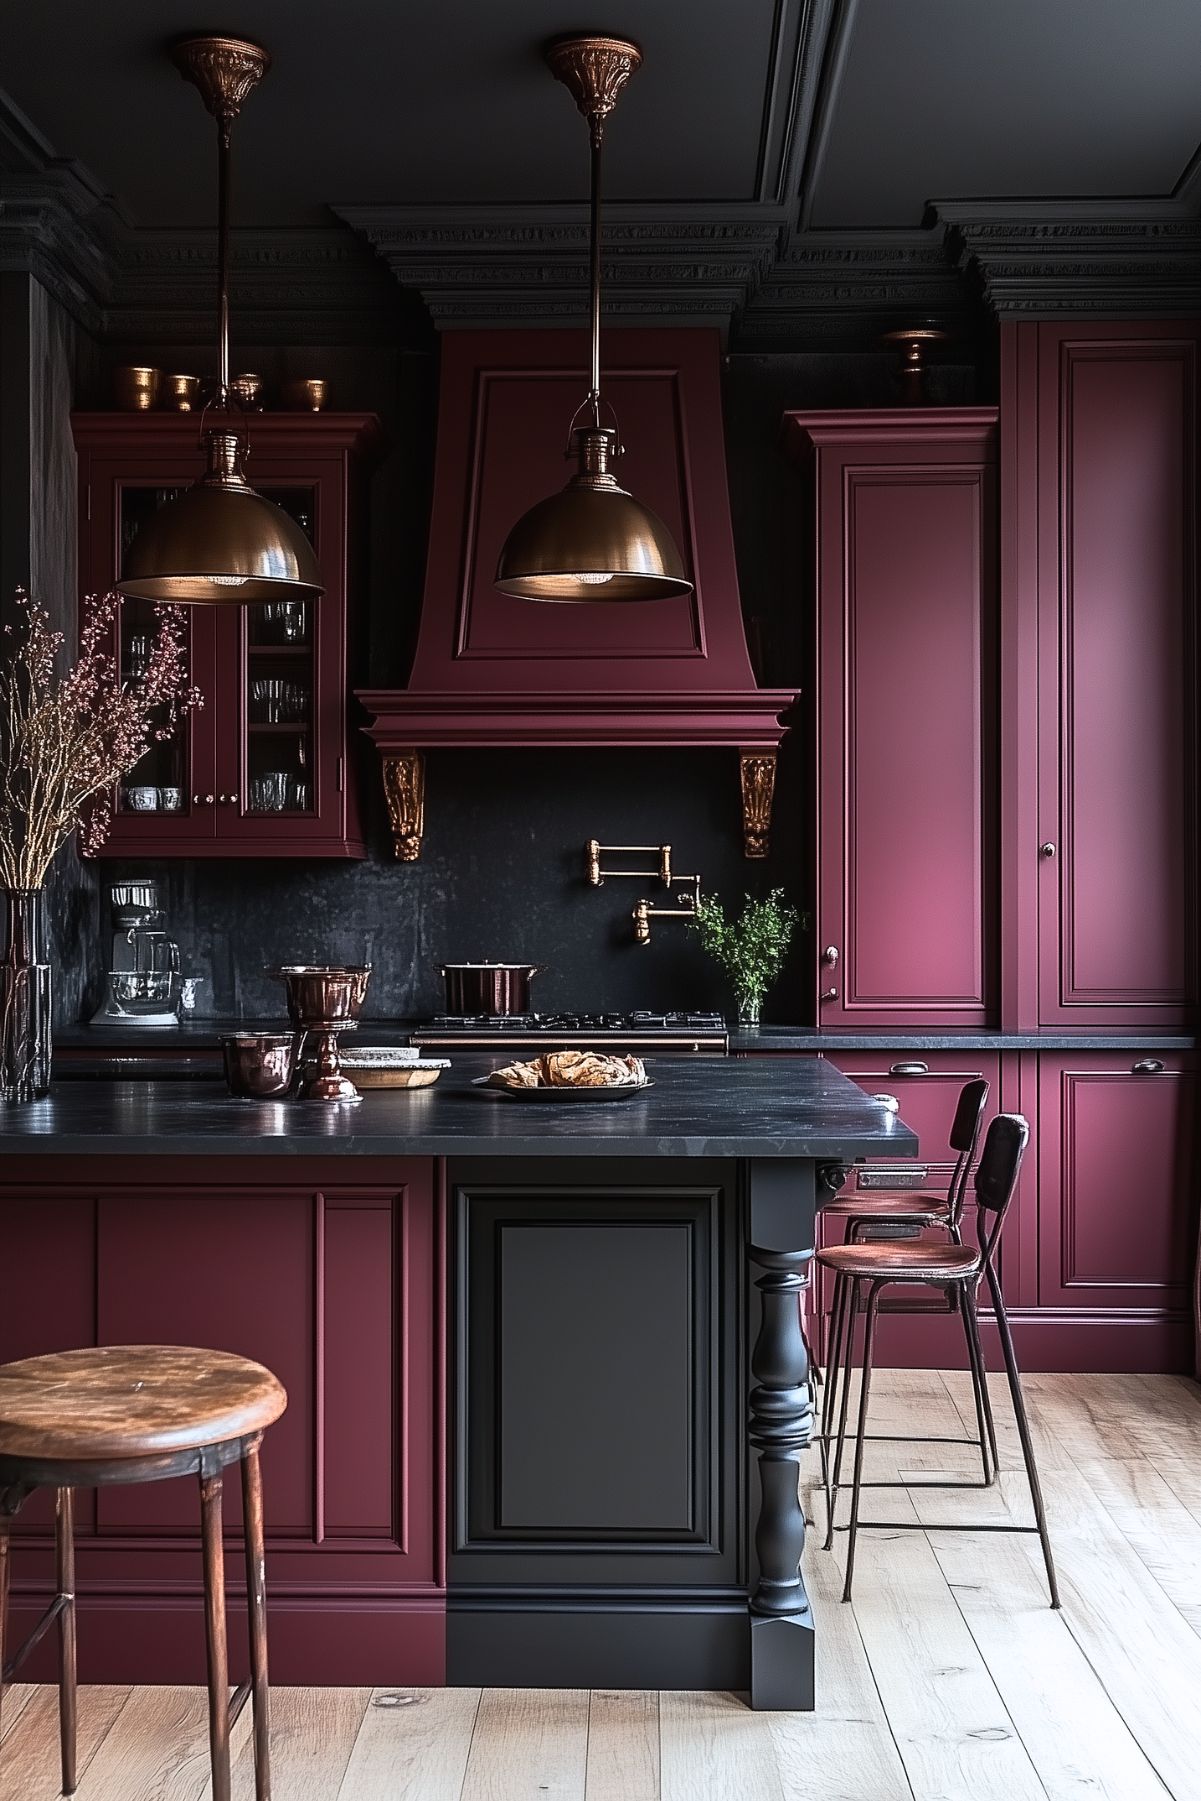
688,897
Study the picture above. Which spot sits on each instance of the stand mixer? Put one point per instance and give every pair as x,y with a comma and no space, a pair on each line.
143,984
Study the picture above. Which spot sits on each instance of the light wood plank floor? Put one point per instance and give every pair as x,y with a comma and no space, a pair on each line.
949,1679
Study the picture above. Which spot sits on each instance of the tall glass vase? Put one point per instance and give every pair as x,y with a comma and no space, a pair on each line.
24,1000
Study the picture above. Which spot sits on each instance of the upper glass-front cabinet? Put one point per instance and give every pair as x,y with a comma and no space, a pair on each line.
264,767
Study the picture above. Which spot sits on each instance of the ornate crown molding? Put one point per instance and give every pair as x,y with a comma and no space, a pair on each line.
529,266
848,288
1064,259
319,285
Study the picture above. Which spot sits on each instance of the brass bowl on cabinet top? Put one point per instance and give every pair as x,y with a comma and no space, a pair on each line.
321,994
183,393
247,390
136,387
306,396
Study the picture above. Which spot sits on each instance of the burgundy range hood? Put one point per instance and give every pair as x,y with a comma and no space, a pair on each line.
493,670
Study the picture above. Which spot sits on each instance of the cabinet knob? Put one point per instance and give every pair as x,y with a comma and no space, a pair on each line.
910,1069
829,994
830,955
1046,850
1149,1066
202,800
227,800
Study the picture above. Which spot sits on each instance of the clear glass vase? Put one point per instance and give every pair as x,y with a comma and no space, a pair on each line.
25,998
748,1012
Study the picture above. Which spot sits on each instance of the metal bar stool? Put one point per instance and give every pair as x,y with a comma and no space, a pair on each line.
875,1265
904,1212
141,1413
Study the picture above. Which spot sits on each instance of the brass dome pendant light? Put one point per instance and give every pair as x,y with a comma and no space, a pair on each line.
592,541
220,543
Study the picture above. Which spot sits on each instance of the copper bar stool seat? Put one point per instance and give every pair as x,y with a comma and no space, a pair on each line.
903,1206
953,1265
910,1262
142,1413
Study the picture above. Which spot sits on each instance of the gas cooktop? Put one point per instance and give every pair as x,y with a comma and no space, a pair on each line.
663,1030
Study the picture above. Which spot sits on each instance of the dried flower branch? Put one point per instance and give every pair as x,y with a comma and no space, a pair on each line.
67,738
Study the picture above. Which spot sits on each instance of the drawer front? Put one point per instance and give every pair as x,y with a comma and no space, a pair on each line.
1117,1196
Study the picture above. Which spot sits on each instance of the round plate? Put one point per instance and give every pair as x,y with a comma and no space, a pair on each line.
624,1092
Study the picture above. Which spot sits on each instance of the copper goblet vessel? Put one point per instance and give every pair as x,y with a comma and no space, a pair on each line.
324,1000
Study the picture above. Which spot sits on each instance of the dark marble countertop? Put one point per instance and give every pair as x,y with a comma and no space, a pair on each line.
200,1035
699,1107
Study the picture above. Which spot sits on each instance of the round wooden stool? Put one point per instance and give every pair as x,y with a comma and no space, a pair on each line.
141,1413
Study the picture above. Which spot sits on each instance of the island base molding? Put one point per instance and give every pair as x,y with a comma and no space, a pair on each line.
315,1640
582,1642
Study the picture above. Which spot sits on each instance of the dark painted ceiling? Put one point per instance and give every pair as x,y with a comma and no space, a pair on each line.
919,100
414,102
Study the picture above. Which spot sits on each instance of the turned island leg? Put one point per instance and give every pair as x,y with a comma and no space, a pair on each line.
781,1423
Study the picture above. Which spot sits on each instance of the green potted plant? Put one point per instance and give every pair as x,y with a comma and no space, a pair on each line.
751,948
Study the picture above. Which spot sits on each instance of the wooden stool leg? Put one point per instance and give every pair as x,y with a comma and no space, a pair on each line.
64,1540
256,1607
214,1622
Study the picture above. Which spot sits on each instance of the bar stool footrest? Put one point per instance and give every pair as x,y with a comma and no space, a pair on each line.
237,1702
13,1664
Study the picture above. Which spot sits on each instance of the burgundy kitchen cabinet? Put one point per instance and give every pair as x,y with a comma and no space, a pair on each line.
337,1287
1100,661
256,771
904,538
1117,1208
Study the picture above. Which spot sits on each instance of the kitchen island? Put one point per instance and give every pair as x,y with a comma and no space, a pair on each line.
548,1389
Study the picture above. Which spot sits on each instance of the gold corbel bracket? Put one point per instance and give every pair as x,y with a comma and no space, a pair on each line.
404,792
757,771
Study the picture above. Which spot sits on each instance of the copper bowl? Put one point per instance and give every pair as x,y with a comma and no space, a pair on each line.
259,1065
321,994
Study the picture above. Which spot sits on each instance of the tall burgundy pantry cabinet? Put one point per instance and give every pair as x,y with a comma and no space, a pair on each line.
1004,718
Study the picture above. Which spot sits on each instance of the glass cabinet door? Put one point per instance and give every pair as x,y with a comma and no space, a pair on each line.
168,795
280,700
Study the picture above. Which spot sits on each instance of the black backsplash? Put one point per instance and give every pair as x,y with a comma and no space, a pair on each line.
501,878
501,874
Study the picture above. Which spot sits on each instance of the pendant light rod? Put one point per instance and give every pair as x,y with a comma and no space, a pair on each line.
225,70
594,70
223,172
595,229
